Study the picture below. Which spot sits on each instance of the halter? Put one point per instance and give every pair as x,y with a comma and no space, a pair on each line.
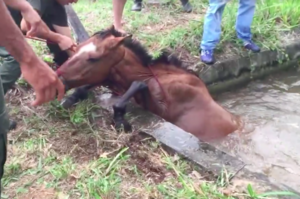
156,78
73,47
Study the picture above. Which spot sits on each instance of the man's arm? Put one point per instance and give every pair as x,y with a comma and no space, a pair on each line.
20,5
38,74
34,26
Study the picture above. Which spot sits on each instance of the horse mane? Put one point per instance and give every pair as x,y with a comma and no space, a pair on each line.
140,51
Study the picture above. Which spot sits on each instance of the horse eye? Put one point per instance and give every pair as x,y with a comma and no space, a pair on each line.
93,60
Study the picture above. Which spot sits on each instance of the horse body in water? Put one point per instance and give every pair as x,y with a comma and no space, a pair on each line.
160,85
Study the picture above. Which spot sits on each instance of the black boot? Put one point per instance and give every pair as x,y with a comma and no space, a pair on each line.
187,7
137,5
12,125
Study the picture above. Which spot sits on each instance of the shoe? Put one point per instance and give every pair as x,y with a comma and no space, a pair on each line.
137,6
187,7
251,46
207,56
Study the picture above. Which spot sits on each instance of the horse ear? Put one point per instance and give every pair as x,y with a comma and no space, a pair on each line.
117,41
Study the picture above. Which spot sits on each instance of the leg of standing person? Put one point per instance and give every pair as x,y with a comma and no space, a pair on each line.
211,30
4,125
10,70
118,7
243,24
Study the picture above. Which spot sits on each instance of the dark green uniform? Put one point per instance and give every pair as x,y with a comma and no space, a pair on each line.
52,13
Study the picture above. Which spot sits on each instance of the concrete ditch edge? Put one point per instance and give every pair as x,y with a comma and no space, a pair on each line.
230,73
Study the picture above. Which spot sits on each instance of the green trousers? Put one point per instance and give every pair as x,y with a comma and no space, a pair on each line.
9,70
9,74
4,124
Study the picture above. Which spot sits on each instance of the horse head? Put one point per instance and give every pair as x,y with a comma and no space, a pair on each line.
93,59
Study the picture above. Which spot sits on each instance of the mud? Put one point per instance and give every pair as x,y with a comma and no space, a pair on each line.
149,163
81,147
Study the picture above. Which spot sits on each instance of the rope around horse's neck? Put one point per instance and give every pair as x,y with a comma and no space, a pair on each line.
161,87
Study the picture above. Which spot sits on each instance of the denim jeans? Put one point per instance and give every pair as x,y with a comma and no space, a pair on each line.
213,17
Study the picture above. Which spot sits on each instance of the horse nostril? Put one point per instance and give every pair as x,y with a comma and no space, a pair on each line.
93,60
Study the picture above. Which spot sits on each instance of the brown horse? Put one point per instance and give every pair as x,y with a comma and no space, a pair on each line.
160,85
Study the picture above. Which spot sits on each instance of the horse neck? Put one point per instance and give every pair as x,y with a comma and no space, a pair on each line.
132,66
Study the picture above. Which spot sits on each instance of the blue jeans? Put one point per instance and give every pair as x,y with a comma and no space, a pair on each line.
213,17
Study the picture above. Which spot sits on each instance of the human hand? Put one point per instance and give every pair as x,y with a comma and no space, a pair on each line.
32,23
65,42
44,81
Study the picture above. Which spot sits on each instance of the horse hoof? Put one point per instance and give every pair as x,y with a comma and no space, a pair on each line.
123,125
68,102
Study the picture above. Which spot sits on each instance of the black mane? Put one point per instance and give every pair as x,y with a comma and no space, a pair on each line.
140,51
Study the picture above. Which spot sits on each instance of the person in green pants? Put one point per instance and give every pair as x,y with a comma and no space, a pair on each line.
37,73
54,15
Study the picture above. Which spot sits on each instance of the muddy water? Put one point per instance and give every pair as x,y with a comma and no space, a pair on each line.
271,142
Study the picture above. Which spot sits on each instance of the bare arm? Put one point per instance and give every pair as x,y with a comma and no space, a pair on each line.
34,26
20,5
37,73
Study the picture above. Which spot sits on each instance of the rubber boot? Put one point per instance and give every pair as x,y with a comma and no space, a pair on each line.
187,7
12,125
137,5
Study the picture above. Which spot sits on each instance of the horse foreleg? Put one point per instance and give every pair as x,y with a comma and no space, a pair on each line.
120,107
79,94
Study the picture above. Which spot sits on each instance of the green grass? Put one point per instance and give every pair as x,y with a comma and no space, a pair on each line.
167,26
57,153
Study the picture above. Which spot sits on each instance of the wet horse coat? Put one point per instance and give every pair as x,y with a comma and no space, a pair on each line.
160,85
